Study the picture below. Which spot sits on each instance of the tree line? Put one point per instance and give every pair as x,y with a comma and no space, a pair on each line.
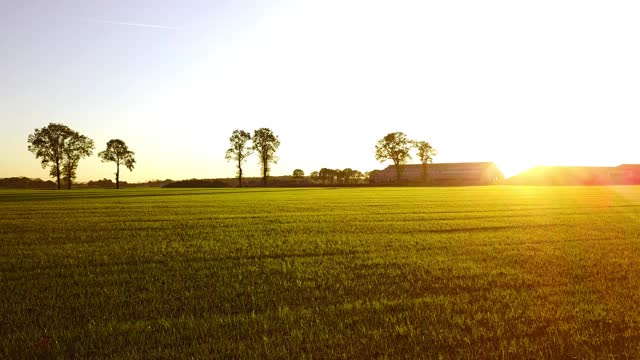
394,146
344,176
265,143
26,183
61,148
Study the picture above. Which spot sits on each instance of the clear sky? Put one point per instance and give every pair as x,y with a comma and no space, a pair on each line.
521,83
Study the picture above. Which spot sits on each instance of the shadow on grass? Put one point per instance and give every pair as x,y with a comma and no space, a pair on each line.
61,270
123,194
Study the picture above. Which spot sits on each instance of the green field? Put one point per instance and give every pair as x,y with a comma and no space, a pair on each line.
506,272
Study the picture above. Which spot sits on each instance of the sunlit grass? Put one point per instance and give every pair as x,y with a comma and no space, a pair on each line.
323,273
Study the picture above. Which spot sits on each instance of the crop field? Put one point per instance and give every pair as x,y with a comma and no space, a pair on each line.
477,272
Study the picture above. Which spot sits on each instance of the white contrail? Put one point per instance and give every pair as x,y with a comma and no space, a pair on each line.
129,24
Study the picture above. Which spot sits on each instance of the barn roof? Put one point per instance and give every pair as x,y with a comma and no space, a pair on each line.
446,166
440,170
629,166
573,168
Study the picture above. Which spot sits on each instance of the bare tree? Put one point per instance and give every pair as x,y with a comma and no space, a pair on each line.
239,150
395,147
118,152
265,143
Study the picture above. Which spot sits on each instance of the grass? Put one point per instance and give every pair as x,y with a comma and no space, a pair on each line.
480,272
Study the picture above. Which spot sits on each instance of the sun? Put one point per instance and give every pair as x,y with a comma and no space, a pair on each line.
512,167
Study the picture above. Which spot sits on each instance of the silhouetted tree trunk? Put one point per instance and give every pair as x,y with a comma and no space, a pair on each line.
118,175
240,172
265,171
69,179
58,173
424,173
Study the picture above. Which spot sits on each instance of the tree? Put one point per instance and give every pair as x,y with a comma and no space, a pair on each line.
298,173
59,148
104,183
370,176
239,150
327,174
118,152
323,175
77,147
425,153
357,175
395,147
314,176
47,144
347,174
265,143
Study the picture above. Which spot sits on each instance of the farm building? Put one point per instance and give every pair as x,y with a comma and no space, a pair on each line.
629,173
579,175
476,173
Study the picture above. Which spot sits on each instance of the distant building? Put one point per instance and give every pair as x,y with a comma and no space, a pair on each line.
627,174
477,173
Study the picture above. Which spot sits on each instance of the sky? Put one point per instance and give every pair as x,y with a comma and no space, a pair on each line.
520,83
